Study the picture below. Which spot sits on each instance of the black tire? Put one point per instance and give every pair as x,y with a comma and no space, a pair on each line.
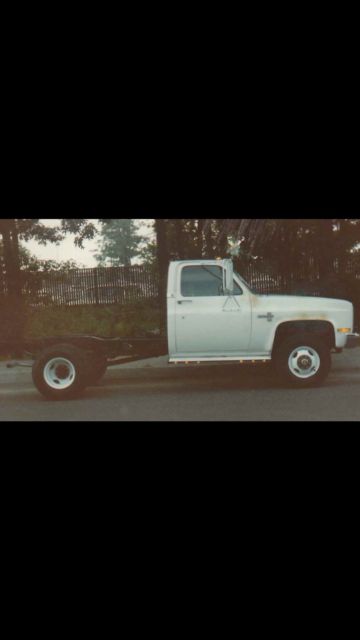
308,367
50,377
96,369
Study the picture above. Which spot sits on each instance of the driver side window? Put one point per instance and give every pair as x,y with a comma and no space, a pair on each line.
204,281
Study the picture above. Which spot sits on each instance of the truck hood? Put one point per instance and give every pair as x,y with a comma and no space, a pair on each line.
339,312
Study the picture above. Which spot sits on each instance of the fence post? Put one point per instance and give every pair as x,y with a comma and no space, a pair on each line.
96,283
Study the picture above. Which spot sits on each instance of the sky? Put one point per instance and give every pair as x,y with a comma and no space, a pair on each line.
67,250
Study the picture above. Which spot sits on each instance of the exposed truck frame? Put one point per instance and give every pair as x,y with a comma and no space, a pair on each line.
115,350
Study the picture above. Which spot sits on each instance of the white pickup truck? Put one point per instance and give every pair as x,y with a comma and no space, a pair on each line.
212,316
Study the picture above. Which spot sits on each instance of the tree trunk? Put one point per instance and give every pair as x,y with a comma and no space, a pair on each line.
200,238
221,242
209,241
13,315
341,249
326,248
163,265
179,231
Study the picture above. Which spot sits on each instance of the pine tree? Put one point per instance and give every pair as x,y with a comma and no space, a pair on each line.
120,242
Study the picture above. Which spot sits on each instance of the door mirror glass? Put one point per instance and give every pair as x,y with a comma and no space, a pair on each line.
228,277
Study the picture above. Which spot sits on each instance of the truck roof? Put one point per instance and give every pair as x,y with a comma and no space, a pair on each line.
199,261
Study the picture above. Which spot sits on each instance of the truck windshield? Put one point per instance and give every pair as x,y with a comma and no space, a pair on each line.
219,277
217,273
244,282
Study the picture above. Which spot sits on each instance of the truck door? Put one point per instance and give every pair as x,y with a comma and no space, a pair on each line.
209,323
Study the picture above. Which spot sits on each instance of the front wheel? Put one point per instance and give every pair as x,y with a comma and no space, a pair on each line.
303,361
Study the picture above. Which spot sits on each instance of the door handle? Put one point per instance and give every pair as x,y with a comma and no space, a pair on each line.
184,301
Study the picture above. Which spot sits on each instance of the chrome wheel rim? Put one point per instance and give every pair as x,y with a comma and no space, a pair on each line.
304,362
59,373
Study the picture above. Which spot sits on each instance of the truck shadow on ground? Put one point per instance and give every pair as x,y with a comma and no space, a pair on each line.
219,379
214,376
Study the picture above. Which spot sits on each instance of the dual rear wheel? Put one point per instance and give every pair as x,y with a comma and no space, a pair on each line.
62,372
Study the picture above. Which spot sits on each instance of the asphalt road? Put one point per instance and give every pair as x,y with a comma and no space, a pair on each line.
152,392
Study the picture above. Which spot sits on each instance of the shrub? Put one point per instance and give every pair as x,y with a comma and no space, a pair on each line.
105,321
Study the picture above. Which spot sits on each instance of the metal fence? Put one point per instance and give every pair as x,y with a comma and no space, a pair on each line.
100,286
266,277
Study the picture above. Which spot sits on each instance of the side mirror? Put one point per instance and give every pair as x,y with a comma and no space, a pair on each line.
228,277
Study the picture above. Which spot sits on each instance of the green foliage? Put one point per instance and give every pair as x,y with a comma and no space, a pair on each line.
196,238
31,263
120,242
187,238
31,228
305,236
34,265
111,321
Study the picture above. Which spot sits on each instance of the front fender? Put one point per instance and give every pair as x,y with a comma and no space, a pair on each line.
320,328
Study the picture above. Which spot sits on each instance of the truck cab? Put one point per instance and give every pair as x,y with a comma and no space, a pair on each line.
213,315
204,320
